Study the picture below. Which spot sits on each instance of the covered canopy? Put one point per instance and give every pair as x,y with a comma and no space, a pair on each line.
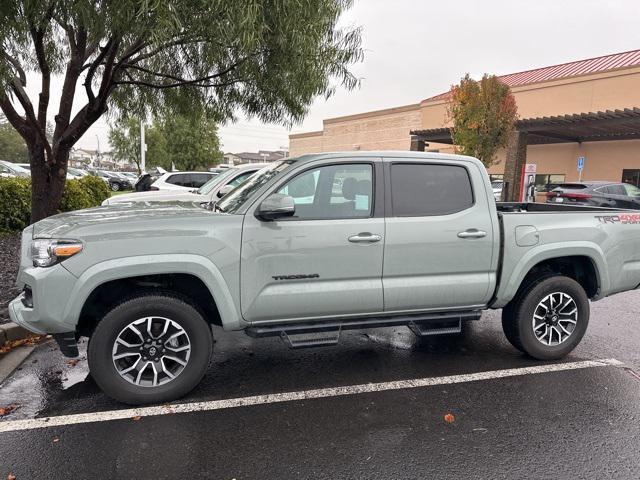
580,127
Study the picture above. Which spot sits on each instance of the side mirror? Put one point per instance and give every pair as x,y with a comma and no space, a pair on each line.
224,190
275,206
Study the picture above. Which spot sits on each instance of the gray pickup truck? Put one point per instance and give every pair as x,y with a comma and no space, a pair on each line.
308,247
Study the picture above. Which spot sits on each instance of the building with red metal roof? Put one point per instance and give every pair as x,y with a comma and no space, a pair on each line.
586,107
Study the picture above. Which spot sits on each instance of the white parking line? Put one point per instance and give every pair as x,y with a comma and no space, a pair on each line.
63,420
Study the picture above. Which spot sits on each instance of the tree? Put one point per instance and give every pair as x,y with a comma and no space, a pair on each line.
157,155
266,58
124,138
483,115
12,146
192,141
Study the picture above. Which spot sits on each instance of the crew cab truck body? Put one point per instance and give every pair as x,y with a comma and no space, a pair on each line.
309,247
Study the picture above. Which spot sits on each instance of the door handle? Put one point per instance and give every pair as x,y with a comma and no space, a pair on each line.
472,233
365,237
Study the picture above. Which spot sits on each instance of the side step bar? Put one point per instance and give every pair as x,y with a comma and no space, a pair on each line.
315,334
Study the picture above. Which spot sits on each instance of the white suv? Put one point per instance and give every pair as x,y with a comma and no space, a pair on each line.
182,180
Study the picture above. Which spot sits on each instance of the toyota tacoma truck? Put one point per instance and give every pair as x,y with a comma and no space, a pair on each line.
311,246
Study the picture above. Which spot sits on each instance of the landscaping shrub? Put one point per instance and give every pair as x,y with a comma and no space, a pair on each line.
15,203
96,187
75,197
15,199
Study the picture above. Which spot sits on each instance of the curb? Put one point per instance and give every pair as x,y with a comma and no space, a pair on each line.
13,331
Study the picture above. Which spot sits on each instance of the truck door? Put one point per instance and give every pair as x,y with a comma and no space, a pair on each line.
324,261
440,250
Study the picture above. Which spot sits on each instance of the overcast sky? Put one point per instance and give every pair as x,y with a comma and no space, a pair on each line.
418,48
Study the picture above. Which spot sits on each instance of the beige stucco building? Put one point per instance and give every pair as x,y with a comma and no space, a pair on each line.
600,84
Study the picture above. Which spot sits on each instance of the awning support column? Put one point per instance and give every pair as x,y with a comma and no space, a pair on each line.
515,161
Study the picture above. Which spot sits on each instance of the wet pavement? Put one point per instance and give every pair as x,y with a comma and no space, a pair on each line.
582,423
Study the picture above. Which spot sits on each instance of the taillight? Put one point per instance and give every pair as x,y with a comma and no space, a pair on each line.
575,196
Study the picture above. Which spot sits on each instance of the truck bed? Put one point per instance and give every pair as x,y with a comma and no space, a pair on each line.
534,232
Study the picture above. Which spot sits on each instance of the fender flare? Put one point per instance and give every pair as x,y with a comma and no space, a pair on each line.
126,267
509,286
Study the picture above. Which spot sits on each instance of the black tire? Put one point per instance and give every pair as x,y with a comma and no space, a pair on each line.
517,318
100,349
509,327
115,187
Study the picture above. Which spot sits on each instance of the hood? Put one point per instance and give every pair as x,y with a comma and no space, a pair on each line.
120,218
157,196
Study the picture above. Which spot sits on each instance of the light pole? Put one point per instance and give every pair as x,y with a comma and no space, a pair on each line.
143,147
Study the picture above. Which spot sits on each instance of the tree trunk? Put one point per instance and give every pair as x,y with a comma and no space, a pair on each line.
47,184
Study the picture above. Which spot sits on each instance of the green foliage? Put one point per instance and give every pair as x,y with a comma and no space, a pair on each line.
124,138
266,58
96,188
157,155
189,141
75,197
15,203
483,115
192,141
12,146
15,199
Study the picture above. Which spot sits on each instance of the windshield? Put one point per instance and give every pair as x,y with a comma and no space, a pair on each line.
233,200
210,185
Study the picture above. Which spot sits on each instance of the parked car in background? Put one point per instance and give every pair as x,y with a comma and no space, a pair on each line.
596,193
209,192
182,180
117,182
497,187
10,169
72,173
131,176
76,172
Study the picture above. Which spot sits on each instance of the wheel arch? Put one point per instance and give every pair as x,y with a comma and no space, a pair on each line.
583,263
190,276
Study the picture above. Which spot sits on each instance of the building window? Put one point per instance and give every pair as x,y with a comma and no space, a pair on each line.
548,181
631,176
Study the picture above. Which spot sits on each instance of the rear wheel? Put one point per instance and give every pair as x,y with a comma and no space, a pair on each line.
548,319
150,349
115,187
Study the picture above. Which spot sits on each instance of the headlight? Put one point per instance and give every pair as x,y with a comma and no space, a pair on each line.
46,252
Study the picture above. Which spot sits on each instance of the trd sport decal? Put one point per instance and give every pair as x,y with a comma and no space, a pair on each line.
295,277
623,219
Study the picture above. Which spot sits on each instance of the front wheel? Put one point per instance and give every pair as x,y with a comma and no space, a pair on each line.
548,319
152,348
115,187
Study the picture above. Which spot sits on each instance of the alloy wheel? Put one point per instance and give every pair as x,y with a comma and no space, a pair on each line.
151,351
555,318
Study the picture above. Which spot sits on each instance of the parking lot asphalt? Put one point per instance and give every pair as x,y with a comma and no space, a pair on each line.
569,423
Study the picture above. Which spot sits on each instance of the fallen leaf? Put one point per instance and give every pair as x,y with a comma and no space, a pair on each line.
56,439
11,344
6,410
136,418
449,418
11,476
73,363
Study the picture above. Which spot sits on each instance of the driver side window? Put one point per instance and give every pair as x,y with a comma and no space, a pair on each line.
332,192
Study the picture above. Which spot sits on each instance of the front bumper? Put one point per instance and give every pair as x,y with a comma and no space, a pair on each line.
44,312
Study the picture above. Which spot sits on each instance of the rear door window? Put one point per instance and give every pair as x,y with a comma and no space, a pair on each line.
199,179
420,190
180,179
616,189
